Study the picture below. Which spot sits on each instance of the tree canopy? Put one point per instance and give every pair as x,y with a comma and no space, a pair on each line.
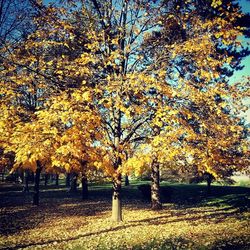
118,85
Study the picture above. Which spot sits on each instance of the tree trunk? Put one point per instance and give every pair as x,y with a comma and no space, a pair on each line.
46,178
68,180
73,183
22,175
117,179
209,181
32,177
155,187
84,180
26,181
37,182
57,179
19,177
116,199
85,191
126,180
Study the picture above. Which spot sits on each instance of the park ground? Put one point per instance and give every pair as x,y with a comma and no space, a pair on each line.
190,219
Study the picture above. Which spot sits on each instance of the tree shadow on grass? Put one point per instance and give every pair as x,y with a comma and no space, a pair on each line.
193,216
173,243
240,243
30,217
187,196
17,213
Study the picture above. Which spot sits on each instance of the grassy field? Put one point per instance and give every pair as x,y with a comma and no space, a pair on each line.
189,220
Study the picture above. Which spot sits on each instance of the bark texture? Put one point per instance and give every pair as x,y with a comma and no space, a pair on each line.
155,187
116,199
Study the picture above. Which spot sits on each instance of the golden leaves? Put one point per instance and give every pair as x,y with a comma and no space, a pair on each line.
216,3
96,101
202,225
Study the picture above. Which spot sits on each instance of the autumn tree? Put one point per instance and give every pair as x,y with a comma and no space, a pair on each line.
14,18
197,74
30,151
104,62
76,128
112,87
216,106
19,97
34,74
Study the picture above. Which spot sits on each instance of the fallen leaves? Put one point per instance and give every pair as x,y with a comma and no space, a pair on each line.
67,223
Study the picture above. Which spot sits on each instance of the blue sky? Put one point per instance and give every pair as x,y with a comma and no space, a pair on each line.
246,62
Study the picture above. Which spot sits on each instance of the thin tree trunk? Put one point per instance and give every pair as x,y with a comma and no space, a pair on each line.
37,182
46,178
155,187
73,183
22,176
32,178
126,180
117,179
208,187
84,181
116,199
19,177
68,180
209,181
85,191
26,181
57,179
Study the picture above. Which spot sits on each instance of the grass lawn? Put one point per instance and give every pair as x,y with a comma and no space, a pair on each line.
189,220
